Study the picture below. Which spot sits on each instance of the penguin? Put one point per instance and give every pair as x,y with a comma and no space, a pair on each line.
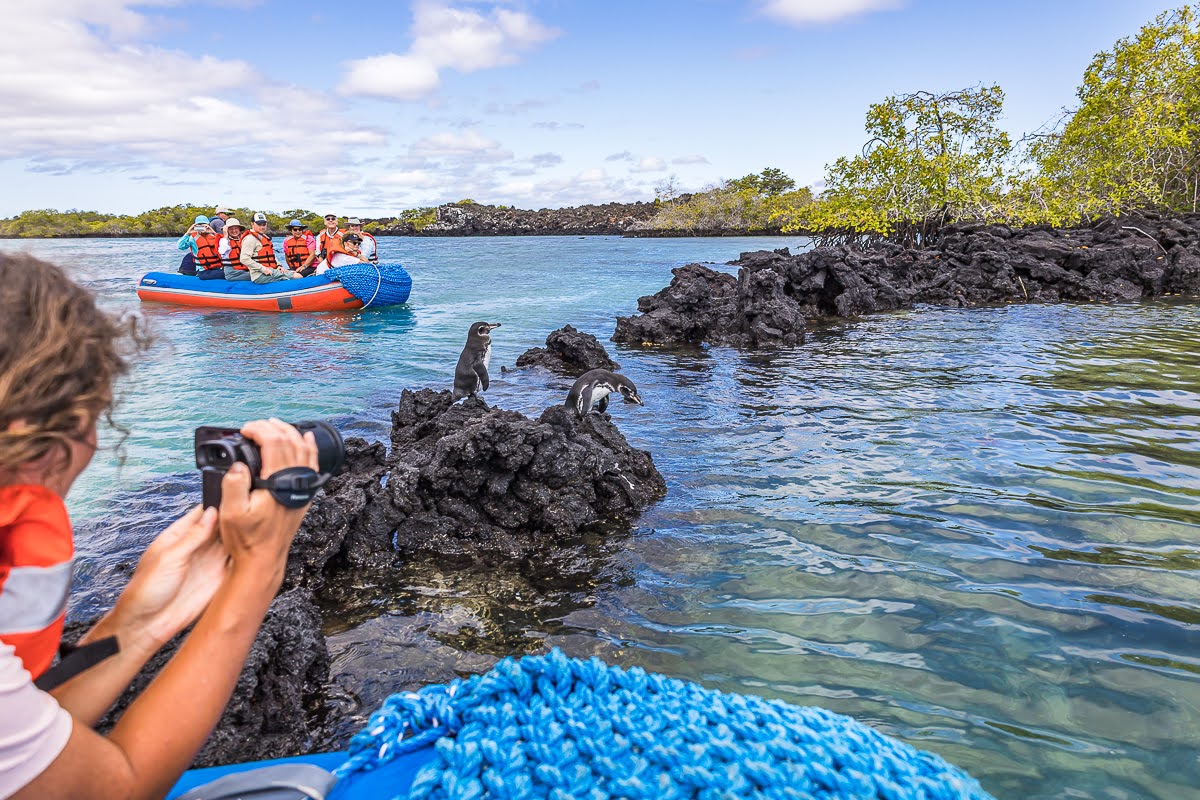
592,389
471,374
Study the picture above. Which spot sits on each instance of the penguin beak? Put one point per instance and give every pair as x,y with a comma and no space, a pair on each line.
493,325
632,397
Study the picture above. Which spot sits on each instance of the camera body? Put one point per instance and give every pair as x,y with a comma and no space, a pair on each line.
218,449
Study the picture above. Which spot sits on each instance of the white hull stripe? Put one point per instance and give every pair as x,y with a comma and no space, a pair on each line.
33,597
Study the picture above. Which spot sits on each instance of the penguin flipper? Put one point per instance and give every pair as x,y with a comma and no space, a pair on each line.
585,402
602,406
481,371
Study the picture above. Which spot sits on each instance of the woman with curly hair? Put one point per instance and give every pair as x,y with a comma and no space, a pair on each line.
219,568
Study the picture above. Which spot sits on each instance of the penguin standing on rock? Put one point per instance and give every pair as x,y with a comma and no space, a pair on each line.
592,389
471,374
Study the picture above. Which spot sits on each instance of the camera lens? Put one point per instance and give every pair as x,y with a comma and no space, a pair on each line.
331,450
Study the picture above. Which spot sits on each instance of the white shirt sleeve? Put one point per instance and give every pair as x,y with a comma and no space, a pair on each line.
34,728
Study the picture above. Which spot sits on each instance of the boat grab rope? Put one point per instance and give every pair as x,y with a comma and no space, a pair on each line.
557,727
388,284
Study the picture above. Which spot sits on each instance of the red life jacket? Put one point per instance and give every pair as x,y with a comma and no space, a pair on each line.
296,251
207,254
266,253
37,552
325,242
235,252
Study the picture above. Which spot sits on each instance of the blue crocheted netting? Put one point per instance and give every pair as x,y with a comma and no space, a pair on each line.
375,284
556,727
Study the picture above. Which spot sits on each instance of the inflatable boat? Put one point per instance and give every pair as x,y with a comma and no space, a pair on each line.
556,727
341,288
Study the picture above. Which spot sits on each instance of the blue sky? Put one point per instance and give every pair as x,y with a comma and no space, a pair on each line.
373,107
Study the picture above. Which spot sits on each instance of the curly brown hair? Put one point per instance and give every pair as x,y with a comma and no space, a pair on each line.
59,358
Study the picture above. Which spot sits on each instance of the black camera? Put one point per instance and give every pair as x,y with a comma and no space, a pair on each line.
218,449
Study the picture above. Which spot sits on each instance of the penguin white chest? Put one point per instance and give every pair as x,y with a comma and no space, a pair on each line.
599,393
487,363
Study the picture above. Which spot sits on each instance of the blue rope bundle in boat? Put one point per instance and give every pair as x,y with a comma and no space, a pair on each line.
375,284
555,727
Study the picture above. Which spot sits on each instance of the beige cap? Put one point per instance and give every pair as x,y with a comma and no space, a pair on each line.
233,222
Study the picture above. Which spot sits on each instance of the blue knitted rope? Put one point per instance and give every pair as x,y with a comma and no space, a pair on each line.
555,727
375,284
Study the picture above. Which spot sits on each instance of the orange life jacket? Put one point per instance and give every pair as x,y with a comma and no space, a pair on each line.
375,250
207,254
328,245
296,251
37,552
234,259
266,253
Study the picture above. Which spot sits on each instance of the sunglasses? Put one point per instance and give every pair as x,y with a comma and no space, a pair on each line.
330,219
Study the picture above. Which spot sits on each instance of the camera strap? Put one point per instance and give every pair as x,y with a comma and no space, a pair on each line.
294,487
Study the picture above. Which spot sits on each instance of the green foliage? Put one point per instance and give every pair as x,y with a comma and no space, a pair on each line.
743,204
931,159
1134,141
419,217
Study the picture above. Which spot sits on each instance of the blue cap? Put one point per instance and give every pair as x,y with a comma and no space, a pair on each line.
201,220
295,224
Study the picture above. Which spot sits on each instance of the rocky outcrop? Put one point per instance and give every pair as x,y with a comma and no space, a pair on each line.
473,219
702,305
570,352
269,712
1114,260
470,480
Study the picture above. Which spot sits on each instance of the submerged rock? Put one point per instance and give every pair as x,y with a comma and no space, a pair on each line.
1117,259
570,352
470,480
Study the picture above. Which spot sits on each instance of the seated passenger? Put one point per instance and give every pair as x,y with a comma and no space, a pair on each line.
326,240
201,245
297,248
258,254
348,252
370,248
231,251
218,568
219,218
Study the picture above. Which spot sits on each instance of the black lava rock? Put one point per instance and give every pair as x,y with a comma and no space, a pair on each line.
1116,259
474,481
570,352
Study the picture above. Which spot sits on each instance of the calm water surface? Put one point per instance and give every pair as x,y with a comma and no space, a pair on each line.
975,530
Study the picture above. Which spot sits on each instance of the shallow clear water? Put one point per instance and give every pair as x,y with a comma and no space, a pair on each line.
973,529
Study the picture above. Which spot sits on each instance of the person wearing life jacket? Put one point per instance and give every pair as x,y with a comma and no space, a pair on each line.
298,246
328,241
258,254
231,251
369,247
200,241
220,569
218,220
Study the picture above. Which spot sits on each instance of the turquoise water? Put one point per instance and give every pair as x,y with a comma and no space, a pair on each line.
973,529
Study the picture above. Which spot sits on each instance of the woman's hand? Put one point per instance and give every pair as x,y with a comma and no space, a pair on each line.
255,529
176,577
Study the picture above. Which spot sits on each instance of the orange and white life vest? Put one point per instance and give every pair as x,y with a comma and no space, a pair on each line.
207,254
37,552
296,251
327,244
266,253
234,259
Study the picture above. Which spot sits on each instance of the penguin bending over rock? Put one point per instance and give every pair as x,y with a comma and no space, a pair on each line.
471,373
592,389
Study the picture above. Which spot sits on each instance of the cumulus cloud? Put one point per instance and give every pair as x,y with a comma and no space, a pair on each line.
809,12
650,164
624,155
462,39
464,144
690,159
546,159
78,88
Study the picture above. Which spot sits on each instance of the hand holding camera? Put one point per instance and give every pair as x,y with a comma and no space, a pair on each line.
263,478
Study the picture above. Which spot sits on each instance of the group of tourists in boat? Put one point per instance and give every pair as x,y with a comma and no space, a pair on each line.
222,248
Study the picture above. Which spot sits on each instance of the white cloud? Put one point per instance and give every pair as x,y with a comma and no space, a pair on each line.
471,144
461,39
411,179
78,88
808,12
690,159
649,164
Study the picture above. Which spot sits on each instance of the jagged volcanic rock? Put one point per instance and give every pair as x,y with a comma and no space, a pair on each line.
570,352
1117,259
467,479
703,305
267,717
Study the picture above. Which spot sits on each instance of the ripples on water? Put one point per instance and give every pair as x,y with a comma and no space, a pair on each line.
974,529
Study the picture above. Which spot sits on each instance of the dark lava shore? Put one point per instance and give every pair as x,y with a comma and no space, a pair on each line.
776,293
